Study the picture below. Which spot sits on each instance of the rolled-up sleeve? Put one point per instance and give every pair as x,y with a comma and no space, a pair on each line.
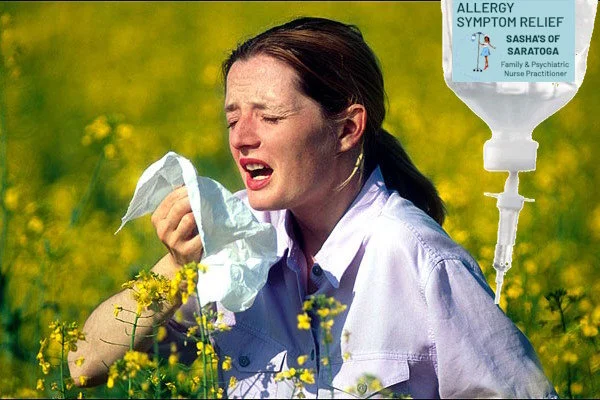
480,352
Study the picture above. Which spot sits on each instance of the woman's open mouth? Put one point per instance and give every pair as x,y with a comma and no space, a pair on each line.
258,173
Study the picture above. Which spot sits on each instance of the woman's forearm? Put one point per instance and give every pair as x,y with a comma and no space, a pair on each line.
108,337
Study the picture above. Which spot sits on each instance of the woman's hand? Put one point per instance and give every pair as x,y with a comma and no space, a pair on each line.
176,227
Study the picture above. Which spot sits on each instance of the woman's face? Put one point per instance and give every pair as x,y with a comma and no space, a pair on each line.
279,139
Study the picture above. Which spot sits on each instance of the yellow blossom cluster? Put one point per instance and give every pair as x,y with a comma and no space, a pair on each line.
106,132
129,366
66,334
298,377
149,290
185,281
45,365
326,309
209,322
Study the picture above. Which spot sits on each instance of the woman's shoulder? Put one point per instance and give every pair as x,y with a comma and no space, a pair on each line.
412,237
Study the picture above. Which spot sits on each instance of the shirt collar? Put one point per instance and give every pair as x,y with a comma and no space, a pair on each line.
347,236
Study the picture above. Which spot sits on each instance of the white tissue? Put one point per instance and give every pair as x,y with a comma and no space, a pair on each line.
238,250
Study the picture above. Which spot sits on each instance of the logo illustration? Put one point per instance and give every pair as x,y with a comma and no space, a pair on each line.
485,51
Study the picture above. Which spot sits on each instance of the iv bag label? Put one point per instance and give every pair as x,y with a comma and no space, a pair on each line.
513,41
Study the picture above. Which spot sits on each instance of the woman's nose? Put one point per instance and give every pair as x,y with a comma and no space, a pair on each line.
244,134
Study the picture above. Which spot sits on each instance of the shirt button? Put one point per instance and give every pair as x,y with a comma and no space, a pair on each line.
362,388
317,270
244,361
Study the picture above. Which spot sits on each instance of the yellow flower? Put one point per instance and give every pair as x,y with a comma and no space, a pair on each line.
45,367
79,361
223,327
588,329
145,386
576,388
302,359
205,348
596,315
292,372
11,199
346,356
110,151
40,385
202,268
99,129
323,312
327,325
35,225
325,361
514,292
307,305
161,334
110,383
83,380
173,359
124,131
232,381
86,140
585,305
570,358
218,392
80,395
307,377
192,330
375,385
226,363
117,310
148,290
303,321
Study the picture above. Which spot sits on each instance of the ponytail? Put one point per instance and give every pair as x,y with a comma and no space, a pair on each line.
400,174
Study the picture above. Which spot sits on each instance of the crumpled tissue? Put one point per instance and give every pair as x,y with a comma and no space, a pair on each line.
238,249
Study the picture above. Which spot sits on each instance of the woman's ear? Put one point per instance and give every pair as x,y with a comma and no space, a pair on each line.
352,127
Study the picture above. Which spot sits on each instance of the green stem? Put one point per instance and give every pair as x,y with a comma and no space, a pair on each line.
203,339
131,343
328,368
88,192
293,391
155,350
62,361
564,326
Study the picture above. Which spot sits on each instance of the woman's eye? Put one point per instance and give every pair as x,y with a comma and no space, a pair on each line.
231,124
271,120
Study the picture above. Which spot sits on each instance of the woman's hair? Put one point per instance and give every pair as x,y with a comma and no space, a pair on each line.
337,68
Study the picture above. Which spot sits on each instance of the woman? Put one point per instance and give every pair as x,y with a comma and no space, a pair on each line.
486,50
355,220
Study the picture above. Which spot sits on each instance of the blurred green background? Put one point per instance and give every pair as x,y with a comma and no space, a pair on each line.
92,93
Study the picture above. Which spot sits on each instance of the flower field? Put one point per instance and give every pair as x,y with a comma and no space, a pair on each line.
93,93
